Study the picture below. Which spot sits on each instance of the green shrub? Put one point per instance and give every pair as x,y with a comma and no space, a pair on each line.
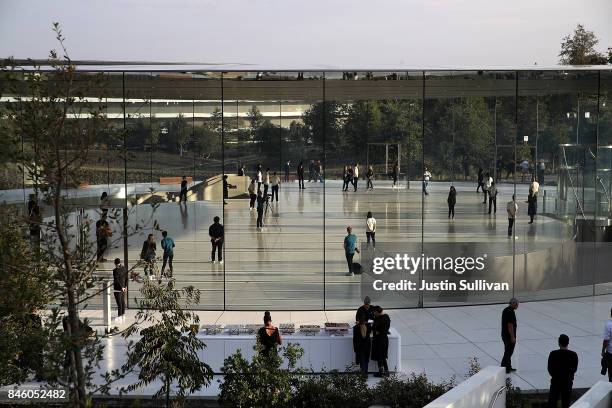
414,391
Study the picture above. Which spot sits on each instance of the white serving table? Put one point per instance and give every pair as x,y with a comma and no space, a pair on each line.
322,352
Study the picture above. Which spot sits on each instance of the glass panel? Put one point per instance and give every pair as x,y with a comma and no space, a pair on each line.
279,265
371,121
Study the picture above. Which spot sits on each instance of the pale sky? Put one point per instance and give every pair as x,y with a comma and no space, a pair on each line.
307,33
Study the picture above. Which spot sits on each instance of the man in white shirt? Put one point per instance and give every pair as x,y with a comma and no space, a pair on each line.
606,351
355,176
487,186
511,208
534,186
426,177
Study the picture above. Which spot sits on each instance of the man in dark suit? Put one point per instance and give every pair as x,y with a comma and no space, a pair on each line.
508,333
562,365
120,281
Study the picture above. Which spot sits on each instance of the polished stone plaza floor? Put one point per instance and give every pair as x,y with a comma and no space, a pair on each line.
297,262
440,341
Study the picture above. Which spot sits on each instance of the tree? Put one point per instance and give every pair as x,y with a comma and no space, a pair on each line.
579,48
362,124
178,134
256,120
168,346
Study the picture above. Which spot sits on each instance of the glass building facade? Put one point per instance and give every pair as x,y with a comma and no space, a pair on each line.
515,125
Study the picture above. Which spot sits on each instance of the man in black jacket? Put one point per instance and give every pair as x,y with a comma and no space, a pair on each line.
562,365
508,333
215,231
120,281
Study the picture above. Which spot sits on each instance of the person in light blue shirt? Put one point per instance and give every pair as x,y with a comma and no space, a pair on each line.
350,247
167,245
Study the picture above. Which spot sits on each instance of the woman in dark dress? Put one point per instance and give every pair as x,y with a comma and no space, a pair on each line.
532,205
362,343
380,340
147,254
451,200
268,336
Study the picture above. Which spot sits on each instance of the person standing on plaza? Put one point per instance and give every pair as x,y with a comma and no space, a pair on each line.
488,180
260,209
183,193
147,254
532,206
287,169
216,234
606,352
371,229
508,333
349,177
252,194
540,171
562,365
345,180
226,187
120,282
167,245
426,177
241,170
300,174
275,186
355,176
370,177
534,186
366,309
104,203
493,198
259,176
103,232
350,247
362,343
319,171
480,180
380,340
311,170
266,182
511,209
395,174
451,201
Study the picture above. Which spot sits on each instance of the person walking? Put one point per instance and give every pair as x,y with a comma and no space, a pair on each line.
380,340
147,254
259,176
370,177
426,177
241,170
300,174
488,180
395,174
534,186
275,186
266,182
319,171
355,176
562,365
183,193
287,169
252,194
345,179
350,247
371,229
120,282
167,245
508,333
480,180
532,206
606,352
260,208
493,198
103,232
511,209
104,203
349,177
540,171
216,234
451,201
362,343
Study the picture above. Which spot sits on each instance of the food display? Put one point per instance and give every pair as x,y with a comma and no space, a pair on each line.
286,328
237,329
310,329
212,329
337,328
